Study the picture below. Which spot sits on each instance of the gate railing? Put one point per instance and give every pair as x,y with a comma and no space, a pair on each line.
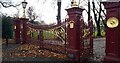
49,37
88,39
54,37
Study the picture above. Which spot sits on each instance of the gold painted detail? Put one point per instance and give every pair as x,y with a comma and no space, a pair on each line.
24,16
72,24
86,32
57,33
74,3
112,22
60,33
15,27
17,17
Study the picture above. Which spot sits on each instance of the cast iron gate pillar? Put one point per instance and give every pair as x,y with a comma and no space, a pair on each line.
17,30
24,30
74,32
112,32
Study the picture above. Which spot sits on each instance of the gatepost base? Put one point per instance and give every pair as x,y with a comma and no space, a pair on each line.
109,59
17,41
73,55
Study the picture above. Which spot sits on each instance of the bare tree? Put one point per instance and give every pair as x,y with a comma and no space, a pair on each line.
97,10
31,14
8,4
89,10
98,16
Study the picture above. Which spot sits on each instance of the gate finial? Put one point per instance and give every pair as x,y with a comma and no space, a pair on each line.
74,3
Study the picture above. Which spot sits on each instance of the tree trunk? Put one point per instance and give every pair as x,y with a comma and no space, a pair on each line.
95,15
98,29
88,10
103,20
97,21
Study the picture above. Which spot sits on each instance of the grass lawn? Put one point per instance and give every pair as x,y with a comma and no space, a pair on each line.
46,34
49,35
102,33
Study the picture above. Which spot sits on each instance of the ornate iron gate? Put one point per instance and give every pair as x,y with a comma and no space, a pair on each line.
54,38
50,38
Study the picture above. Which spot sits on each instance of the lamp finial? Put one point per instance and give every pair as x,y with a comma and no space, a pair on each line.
74,4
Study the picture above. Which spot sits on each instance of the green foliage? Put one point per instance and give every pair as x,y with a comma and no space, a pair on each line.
35,35
102,33
7,27
95,33
49,35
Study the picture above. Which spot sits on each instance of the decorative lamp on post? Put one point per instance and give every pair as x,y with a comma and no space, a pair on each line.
74,3
59,12
24,4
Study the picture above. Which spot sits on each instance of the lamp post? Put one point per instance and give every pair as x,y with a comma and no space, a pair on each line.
24,4
59,12
74,3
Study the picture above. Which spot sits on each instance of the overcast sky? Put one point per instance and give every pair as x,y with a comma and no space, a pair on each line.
45,9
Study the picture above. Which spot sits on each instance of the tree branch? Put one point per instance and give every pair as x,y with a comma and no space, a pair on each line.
95,16
6,5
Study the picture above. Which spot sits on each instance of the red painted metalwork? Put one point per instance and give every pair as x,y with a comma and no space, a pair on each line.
90,25
41,37
24,30
75,34
17,30
76,48
112,34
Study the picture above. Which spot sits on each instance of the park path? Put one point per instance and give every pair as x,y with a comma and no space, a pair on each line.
99,49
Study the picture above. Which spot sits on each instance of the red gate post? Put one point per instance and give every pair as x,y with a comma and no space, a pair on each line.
74,31
24,30
17,30
112,32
